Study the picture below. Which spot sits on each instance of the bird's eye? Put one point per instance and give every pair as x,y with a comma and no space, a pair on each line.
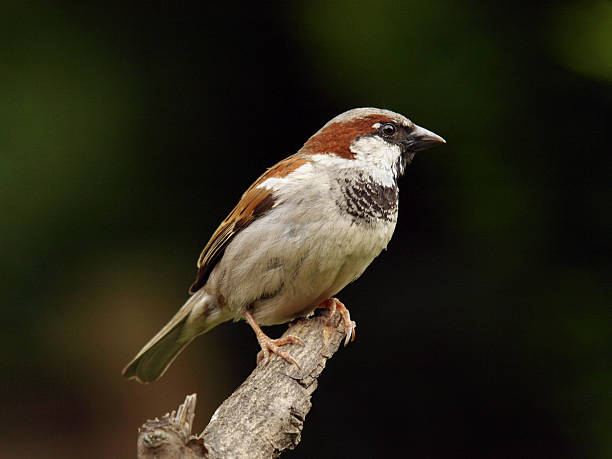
388,129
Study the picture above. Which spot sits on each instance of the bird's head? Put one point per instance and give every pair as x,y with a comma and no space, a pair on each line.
379,138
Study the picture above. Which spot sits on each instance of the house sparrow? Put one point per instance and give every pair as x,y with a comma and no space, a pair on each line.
306,228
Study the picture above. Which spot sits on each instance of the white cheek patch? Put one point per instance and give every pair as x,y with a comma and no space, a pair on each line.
376,150
377,156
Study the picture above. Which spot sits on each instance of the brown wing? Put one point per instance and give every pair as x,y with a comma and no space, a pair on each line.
254,203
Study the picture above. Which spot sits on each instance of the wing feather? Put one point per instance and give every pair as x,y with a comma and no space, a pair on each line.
254,203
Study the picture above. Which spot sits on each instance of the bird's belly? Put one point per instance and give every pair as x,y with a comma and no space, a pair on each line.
306,265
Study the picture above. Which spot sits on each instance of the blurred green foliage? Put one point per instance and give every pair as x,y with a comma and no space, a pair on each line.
580,34
129,131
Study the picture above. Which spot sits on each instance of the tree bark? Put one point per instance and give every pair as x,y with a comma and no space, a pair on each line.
264,416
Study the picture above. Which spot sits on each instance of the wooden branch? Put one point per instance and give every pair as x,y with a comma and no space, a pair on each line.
264,416
170,436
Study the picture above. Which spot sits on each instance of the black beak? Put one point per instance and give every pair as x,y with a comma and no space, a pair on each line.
420,139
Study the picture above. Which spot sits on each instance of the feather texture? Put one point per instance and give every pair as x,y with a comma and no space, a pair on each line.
300,233
255,202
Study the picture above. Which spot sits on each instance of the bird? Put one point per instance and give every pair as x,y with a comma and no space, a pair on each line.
307,227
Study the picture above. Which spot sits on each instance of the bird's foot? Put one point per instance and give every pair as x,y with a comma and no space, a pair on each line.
272,346
269,345
296,321
334,304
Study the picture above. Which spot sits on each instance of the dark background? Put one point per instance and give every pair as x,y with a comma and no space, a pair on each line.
128,131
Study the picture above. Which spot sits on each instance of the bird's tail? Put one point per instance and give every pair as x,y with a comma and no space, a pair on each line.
198,315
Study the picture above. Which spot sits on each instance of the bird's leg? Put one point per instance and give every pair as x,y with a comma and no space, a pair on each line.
269,345
334,304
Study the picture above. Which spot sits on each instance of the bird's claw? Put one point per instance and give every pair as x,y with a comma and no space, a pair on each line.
333,305
272,346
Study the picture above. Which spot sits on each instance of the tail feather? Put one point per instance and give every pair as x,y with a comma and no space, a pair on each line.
193,319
